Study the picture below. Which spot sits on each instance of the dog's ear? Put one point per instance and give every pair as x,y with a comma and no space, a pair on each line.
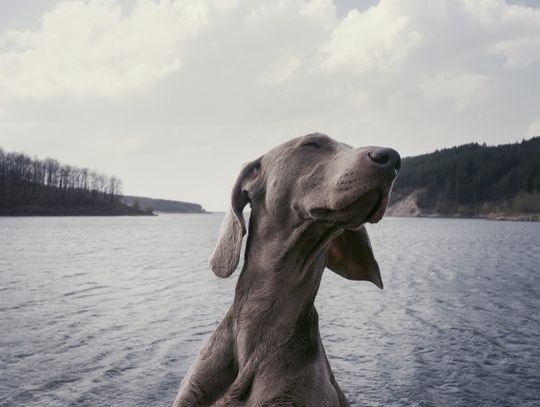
350,255
226,255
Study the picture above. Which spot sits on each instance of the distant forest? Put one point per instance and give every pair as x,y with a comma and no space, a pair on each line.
32,186
473,180
162,205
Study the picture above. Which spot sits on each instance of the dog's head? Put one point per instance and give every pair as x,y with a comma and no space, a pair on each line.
314,180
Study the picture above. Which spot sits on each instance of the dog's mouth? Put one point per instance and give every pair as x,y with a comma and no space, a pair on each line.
369,207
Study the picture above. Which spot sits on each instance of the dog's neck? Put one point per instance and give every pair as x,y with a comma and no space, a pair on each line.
280,278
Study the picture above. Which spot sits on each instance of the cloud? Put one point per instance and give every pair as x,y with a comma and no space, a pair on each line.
514,30
387,34
378,38
97,49
460,88
453,52
534,128
281,71
163,80
520,51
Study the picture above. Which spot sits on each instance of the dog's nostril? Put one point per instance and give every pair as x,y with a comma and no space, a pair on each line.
381,157
386,157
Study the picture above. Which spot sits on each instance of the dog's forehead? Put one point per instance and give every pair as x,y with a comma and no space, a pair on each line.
293,146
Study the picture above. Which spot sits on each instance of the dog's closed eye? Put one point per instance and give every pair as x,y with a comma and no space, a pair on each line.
313,144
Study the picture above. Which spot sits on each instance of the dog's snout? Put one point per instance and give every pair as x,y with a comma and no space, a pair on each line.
386,157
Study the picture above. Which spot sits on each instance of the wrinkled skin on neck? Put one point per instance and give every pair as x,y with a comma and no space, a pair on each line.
273,311
280,277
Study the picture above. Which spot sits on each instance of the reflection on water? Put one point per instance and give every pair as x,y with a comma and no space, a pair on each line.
112,311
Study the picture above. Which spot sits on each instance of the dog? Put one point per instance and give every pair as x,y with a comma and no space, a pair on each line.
310,198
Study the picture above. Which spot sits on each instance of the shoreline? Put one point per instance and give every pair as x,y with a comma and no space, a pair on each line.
64,215
490,217
73,210
89,213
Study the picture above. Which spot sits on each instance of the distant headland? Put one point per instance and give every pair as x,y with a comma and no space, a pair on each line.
472,180
161,205
33,187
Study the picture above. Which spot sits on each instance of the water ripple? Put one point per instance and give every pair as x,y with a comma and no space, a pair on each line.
112,312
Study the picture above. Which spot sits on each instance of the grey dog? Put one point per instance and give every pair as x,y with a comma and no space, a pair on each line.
309,200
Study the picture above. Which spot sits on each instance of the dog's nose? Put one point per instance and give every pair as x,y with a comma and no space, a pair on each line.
386,157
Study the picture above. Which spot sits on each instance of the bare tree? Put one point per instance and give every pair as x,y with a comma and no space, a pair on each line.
25,180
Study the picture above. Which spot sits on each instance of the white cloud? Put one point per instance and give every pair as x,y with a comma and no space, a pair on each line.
378,38
324,11
445,50
164,76
515,30
281,71
534,128
94,48
520,51
460,88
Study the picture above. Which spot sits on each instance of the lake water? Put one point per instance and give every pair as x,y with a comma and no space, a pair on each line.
112,311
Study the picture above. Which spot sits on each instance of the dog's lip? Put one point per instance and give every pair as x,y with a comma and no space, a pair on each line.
349,213
372,217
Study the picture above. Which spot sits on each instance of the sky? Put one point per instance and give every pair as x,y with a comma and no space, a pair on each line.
173,96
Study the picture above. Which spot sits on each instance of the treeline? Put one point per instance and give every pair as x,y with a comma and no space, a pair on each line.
162,205
27,182
474,179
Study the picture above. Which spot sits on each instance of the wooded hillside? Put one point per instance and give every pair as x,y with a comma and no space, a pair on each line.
471,180
162,205
29,186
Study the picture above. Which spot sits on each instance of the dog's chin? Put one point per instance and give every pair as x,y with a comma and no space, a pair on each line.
379,210
369,207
